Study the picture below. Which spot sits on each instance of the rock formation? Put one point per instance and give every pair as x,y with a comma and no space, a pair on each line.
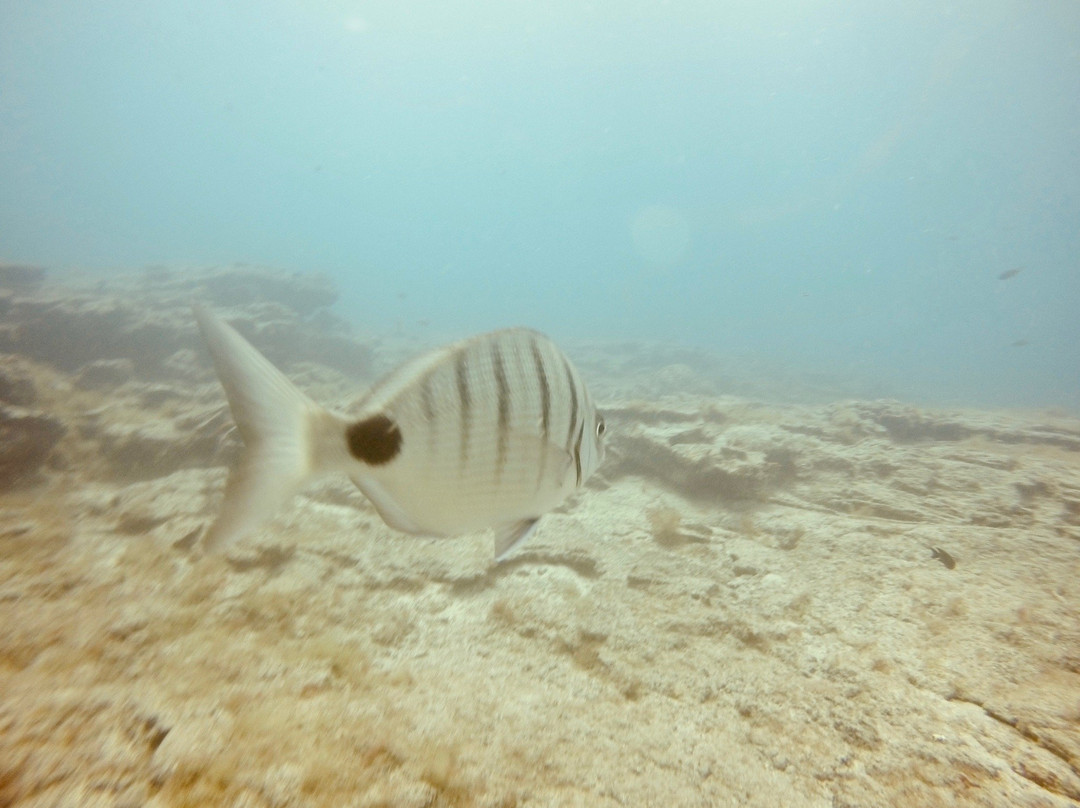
744,607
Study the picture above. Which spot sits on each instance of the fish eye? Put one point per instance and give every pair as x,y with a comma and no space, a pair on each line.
600,427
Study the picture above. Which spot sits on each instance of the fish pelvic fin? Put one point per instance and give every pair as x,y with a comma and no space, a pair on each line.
284,432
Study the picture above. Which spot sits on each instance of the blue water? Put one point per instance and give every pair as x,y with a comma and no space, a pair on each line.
835,185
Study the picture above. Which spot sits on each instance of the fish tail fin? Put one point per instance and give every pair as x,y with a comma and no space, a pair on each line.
280,427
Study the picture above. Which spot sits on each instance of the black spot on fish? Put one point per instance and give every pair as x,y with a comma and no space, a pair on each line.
943,557
375,440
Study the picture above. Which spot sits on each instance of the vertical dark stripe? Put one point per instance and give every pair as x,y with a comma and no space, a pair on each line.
545,407
545,391
577,452
504,406
573,403
426,402
427,405
461,376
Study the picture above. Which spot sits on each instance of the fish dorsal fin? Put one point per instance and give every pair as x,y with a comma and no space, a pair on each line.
510,536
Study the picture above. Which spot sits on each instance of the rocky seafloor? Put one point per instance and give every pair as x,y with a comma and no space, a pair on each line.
742,607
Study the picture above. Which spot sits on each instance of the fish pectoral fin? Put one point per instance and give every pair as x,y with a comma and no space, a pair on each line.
508,537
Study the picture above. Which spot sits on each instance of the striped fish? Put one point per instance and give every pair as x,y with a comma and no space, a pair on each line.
490,432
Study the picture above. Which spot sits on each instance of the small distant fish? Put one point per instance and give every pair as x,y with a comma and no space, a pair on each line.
943,557
1020,343
493,431
1010,273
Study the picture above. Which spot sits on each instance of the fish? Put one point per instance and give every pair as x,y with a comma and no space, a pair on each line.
943,557
1020,343
490,432
1010,273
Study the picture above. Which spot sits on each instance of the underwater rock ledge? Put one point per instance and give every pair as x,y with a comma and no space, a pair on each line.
854,602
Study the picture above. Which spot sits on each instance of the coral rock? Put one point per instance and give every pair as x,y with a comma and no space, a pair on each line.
16,383
21,276
105,373
27,438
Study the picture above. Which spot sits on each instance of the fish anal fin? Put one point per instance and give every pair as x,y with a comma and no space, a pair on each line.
510,536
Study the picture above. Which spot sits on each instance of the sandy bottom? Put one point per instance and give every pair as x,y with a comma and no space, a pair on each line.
647,648
742,608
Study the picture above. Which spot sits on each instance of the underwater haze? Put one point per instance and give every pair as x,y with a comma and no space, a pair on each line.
886,191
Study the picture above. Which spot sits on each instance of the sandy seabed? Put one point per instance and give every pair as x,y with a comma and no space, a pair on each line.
741,608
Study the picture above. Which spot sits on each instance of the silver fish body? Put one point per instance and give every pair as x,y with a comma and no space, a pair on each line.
493,431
